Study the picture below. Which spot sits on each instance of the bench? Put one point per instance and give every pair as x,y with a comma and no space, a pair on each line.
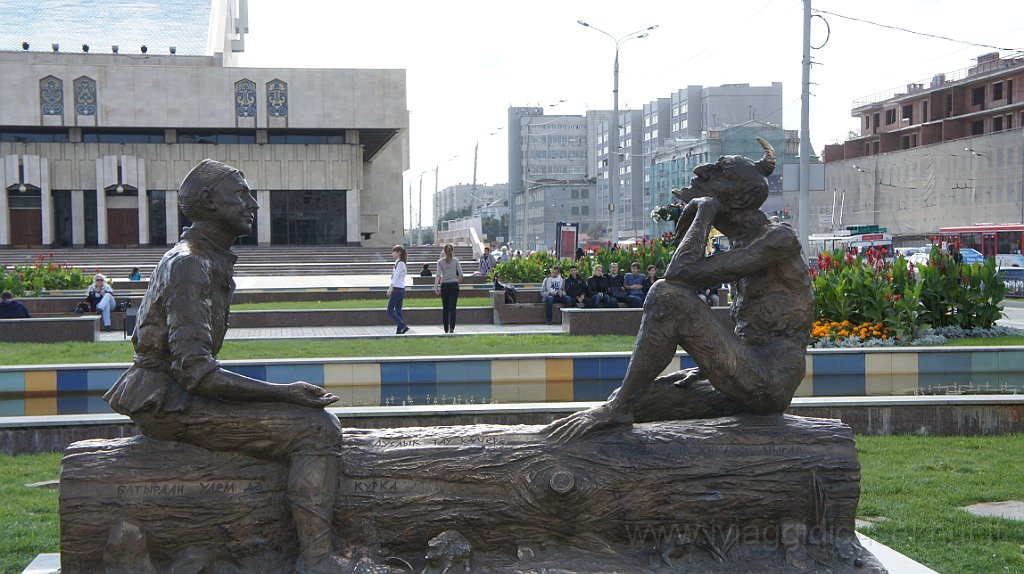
528,309
50,329
622,321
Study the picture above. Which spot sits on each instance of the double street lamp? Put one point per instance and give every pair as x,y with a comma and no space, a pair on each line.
613,132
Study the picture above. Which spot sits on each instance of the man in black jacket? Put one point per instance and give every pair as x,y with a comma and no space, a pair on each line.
597,288
576,287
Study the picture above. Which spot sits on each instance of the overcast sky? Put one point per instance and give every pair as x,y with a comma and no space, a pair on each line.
468,61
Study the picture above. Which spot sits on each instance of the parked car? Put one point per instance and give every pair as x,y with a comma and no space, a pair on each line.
1014,279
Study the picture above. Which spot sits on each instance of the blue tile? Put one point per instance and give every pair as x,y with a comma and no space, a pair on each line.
310,373
73,381
940,369
686,362
469,379
95,405
100,380
394,383
613,371
12,382
586,380
839,374
252,371
12,408
422,382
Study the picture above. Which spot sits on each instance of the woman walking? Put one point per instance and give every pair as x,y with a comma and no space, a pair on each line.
449,275
396,290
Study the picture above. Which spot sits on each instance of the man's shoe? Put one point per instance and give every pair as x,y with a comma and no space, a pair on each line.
108,328
403,330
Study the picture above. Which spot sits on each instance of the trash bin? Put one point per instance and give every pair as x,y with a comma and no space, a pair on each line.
130,315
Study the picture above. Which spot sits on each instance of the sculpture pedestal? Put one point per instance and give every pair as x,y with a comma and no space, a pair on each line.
735,494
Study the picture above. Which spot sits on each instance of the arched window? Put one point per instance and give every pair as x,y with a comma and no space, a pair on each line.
277,99
85,96
51,96
245,99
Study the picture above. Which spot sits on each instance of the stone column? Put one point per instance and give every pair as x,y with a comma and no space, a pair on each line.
101,205
171,214
263,233
5,218
45,203
78,218
143,203
5,214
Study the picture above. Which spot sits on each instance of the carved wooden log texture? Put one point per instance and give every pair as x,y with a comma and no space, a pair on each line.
506,485
503,487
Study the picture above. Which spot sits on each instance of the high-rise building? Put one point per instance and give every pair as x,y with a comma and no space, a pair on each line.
939,152
111,113
548,179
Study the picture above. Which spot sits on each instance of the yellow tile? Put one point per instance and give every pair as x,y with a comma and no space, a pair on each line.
505,380
559,380
41,382
806,388
338,380
533,381
673,366
878,373
365,384
904,373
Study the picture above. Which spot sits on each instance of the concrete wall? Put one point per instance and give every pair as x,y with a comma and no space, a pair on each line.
914,192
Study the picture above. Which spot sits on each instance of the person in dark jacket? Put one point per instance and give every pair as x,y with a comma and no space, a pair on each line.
11,308
650,278
576,287
617,287
597,286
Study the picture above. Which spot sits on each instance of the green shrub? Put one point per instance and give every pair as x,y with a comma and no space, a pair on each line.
43,275
868,289
534,267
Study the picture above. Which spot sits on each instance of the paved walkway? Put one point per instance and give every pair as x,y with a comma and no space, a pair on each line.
367,332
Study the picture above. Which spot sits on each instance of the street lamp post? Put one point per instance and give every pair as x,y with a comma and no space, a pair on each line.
613,132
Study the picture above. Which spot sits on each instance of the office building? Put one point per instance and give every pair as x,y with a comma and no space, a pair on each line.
100,122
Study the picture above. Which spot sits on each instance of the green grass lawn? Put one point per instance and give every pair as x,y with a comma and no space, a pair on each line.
121,351
29,522
916,483
409,303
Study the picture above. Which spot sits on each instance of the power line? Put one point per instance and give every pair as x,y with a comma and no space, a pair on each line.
917,33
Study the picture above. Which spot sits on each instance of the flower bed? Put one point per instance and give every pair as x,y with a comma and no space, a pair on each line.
871,297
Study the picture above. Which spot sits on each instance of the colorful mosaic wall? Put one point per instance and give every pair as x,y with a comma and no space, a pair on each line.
523,379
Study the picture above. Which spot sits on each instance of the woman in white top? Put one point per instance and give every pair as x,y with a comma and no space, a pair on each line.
396,290
446,282
101,298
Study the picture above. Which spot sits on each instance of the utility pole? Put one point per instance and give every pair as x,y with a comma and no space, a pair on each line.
476,155
613,126
410,213
419,230
803,206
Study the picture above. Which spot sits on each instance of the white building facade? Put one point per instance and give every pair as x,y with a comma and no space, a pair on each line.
93,146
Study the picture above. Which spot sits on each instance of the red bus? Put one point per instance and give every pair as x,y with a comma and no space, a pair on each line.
1002,241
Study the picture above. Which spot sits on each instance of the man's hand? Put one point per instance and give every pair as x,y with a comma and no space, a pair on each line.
585,422
308,395
389,292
